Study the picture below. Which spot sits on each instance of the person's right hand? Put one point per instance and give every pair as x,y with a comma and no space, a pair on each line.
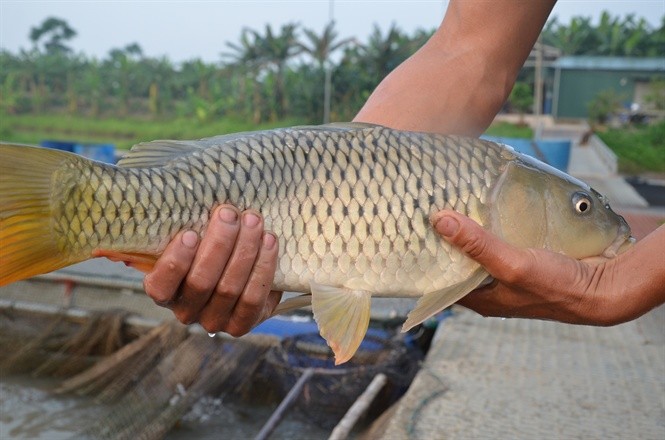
222,281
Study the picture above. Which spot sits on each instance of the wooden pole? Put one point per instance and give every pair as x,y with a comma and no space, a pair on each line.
276,417
344,427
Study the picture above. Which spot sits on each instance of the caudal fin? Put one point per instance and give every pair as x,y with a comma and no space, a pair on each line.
27,244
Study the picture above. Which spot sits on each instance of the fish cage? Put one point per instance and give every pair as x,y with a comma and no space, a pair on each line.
331,390
121,376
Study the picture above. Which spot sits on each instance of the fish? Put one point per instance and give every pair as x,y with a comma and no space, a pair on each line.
350,205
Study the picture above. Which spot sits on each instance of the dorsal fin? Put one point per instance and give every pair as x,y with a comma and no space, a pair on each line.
337,126
161,152
158,153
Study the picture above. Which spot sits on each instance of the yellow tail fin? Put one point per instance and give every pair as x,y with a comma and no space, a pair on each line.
27,244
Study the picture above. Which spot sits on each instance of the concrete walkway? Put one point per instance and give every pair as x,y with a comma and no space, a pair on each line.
488,378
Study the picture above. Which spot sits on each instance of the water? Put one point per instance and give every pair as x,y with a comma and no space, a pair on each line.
28,409
213,418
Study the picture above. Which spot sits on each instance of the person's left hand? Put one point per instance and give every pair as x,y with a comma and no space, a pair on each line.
222,281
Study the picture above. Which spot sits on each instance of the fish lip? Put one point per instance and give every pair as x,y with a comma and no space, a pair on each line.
623,242
620,245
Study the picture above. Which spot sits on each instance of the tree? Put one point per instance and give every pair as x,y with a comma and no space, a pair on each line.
320,48
521,98
248,61
276,50
575,39
120,69
383,53
57,31
604,105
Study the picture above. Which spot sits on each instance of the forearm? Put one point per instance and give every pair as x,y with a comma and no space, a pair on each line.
634,282
457,82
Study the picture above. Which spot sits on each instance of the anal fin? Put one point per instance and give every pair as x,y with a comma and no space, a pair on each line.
143,262
432,303
342,316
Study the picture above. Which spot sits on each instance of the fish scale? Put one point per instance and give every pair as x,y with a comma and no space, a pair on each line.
350,205
380,208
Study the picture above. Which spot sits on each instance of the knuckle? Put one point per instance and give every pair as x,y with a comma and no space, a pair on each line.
474,246
227,293
149,287
199,284
254,303
184,316
155,292
517,270
210,325
176,265
236,329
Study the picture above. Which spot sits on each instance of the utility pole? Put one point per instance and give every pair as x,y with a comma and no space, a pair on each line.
327,85
538,89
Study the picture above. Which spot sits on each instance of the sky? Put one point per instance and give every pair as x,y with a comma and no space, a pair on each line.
185,30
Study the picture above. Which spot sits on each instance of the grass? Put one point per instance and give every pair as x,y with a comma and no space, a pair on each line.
508,130
32,129
640,149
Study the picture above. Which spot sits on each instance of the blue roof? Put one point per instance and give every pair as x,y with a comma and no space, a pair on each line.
610,63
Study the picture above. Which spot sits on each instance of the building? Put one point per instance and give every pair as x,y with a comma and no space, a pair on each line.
577,80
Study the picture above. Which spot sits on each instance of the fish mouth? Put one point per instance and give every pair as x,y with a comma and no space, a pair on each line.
622,243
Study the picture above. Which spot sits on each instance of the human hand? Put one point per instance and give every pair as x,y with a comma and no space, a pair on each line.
223,280
535,283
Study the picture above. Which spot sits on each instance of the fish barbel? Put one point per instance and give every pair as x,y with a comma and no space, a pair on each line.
349,203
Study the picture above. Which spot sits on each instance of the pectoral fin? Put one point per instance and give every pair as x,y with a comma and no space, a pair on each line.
294,303
342,316
142,262
433,302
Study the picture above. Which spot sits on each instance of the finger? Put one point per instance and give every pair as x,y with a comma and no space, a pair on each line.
162,283
236,274
502,260
250,308
212,256
272,302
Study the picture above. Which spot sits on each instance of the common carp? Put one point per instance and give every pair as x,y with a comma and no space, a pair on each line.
350,205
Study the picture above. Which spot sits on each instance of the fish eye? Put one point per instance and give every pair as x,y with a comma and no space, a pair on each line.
582,203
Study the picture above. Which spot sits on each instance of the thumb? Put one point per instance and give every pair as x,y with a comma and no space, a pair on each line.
497,256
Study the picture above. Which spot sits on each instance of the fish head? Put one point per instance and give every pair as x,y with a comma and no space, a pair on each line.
536,205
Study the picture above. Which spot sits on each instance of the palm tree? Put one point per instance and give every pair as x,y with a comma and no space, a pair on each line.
320,48
576,39
248,59
384,53
276,50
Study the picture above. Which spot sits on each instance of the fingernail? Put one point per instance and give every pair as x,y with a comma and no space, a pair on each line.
190,238
250,219
447,226
269,241
228,215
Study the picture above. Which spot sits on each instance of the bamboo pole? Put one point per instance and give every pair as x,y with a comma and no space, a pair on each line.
276,417
344,427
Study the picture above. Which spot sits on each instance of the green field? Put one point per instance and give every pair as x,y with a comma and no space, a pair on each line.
123,133
640,149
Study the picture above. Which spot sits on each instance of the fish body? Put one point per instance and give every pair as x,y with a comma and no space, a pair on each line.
349,203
